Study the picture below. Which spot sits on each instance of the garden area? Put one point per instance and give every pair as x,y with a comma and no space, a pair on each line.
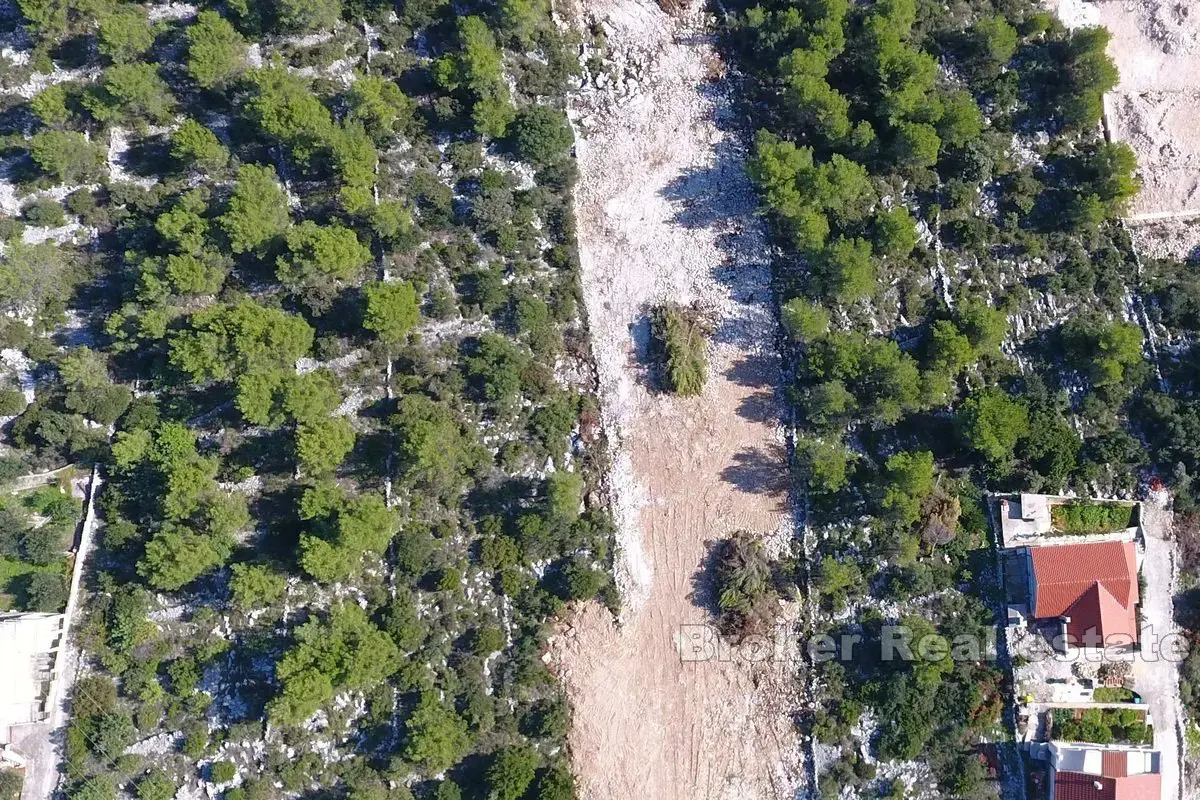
10,784
1113,694
1085,517
35,533
1102,726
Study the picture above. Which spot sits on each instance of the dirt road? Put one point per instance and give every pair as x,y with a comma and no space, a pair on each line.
665,212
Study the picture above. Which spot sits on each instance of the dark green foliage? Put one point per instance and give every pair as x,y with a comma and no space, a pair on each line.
556,783
195,146
437,736
883,379
258,210
225,341
512,772
46,591
392,310
806,196
1109,349
318,381
131,93
877,176
1089,73
744,585
494,368
10,784
542,135
476,72
908,481
155,786
320,259
125,34
1051,446
433,451
46,213
100,787
12,402
215,50
307,16
66,157
42,546
345,653
255,586
992,423
222,772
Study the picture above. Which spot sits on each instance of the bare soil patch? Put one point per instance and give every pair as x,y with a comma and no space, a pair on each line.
666,213
1163,128
1156,106
1170,238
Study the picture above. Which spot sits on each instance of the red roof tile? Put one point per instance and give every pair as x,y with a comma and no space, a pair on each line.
1114,763
1098,613
1095,584
1077,786
1139,787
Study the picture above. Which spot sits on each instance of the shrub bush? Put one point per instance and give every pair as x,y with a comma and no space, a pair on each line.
745,587
681,344
12,402
44,213
223,771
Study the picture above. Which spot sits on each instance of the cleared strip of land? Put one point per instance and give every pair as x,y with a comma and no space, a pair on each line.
666,213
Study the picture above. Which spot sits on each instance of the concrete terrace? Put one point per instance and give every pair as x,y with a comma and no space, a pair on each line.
27,645
1027,520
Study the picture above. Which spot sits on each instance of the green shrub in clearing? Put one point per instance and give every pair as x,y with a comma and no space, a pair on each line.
223,771
1112,694
681,344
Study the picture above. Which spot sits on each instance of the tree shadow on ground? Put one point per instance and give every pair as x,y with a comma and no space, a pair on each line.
761,470
719,196
704,593
759,372
148,157
761,406
756,371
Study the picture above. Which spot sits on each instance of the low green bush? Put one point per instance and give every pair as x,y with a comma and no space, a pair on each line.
44,213
223,771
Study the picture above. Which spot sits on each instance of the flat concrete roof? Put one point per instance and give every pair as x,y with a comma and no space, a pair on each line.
26,644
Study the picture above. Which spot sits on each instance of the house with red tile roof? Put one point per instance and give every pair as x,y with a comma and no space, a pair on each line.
1092,588
1089,772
